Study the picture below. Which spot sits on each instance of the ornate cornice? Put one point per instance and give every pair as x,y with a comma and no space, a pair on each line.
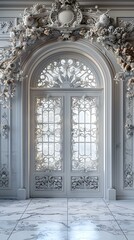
105,4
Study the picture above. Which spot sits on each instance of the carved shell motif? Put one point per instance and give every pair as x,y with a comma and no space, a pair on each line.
65,14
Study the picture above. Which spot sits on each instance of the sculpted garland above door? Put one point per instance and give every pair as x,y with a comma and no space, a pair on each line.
66,131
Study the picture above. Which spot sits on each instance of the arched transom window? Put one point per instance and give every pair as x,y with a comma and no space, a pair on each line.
66,73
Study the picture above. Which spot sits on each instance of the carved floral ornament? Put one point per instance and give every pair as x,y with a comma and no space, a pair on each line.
65,21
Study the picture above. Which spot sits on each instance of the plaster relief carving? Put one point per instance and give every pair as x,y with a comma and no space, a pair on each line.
65,14
4,126
65,21
128,176
4,177
40,24
6,24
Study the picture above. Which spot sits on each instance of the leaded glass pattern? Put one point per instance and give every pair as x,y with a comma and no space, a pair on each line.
48,134
66,73
84,133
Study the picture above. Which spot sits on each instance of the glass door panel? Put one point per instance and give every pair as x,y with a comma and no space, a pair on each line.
65,144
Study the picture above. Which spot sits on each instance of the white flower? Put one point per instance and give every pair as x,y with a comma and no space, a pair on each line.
11,66
20,27
39,8
12,34
2,76
28,20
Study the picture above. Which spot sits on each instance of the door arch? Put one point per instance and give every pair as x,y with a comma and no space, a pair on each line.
103,67
66,137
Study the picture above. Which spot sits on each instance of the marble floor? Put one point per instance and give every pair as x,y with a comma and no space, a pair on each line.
66,219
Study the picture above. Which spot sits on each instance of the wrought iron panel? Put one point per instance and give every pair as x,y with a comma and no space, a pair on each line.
85,182
48,134
48,183
66,73
84,133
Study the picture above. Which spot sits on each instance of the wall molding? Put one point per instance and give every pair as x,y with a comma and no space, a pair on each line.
111,4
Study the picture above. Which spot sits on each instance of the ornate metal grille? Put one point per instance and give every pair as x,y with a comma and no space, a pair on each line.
48,134
66,73
48,183
85,182
84,133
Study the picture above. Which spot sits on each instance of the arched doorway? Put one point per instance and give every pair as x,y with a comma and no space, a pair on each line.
66,128
85,180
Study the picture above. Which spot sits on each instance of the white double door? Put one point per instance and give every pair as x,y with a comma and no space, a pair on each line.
66,143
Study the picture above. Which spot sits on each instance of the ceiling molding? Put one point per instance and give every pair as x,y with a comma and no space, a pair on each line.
112,4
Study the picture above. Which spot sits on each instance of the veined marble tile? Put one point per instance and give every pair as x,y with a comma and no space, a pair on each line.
9,214
130,236
90,225
123,215
90,201
12,209
88,209
48,201
122,209
41,226
66,219
128,204
6,227
4,236
35,235
59,217
86,205
91,216
126,226
14,203
47,209
47,205
95,235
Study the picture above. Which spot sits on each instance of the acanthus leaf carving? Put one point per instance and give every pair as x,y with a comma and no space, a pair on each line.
40,24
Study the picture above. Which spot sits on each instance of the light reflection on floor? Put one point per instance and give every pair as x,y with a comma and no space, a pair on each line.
66,219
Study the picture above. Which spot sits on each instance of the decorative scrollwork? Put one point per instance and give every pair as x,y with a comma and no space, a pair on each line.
128,176
129,132
85,182
48,183
5,25
4,126
66,73
4,177
65,14
39,24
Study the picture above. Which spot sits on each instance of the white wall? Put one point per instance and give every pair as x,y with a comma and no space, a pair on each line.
10,147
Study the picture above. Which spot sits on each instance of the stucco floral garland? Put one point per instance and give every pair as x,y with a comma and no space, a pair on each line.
37,25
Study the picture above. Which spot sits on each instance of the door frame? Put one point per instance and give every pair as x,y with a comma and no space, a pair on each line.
107,72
